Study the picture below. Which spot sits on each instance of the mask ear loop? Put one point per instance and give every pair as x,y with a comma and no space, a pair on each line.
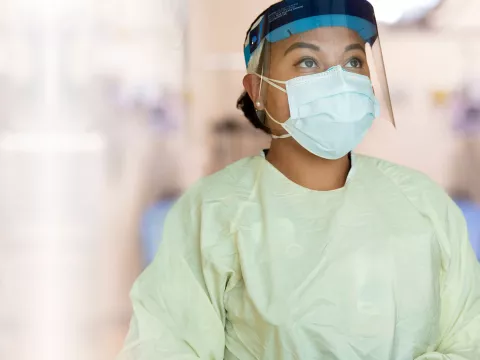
266,111
272,82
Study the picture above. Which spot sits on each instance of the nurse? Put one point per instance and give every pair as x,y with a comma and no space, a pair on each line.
309,251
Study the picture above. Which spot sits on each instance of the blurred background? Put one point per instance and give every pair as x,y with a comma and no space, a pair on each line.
112,108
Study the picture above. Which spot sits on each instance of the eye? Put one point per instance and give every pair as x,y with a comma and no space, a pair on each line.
354,63
307,63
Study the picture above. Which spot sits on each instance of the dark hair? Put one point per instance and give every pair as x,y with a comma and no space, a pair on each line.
245,104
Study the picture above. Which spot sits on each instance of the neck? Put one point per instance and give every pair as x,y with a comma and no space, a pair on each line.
307,169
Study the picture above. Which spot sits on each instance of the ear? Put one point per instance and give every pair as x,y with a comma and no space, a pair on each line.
251,83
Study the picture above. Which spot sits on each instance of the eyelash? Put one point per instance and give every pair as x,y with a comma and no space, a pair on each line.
360,61
306,59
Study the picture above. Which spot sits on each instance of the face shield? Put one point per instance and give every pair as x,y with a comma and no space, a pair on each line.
293,39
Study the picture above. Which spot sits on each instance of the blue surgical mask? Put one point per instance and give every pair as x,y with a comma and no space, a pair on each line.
330,112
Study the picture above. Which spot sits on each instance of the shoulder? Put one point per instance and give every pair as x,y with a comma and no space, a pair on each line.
410,181
427,196
231,183
203,216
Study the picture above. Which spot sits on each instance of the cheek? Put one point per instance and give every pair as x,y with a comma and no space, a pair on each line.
277,104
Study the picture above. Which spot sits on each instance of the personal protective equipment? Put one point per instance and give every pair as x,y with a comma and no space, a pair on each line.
294,38
254,266
319,119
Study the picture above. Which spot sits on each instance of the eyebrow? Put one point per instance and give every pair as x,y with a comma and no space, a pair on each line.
302,45
354,47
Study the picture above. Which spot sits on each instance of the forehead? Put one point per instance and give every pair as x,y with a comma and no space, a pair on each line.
326,36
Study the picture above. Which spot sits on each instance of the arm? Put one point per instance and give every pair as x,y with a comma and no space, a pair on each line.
175,316
460,296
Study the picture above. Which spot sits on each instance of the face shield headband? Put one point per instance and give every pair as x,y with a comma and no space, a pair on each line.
290,17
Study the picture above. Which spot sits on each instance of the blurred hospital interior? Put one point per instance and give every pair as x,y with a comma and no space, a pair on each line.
111,109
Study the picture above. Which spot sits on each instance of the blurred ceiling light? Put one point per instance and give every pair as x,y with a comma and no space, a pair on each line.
395,11
51,142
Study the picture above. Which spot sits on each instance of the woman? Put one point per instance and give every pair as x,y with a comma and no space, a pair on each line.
308,251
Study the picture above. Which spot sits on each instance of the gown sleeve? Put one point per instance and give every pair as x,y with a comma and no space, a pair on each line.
460,294
176,315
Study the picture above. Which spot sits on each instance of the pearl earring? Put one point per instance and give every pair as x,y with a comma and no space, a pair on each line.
258,104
